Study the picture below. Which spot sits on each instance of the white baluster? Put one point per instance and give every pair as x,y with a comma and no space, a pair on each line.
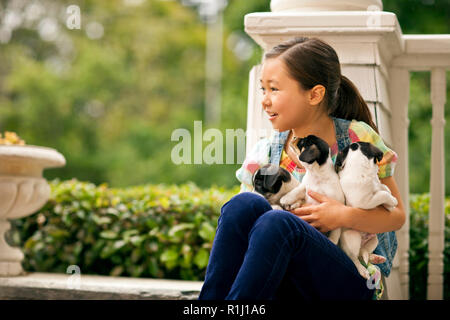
437,188
399,97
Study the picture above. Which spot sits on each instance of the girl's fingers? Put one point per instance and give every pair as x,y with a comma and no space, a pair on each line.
303,210
307,218
317,196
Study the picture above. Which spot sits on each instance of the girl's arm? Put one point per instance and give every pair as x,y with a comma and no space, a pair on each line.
379,219
330,214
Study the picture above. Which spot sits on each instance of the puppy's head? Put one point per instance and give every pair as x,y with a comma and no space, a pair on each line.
311,149
365,153
269,179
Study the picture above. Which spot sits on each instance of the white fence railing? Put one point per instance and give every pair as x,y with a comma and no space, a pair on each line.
426,53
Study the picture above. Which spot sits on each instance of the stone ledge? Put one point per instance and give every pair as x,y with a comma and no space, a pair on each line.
57,286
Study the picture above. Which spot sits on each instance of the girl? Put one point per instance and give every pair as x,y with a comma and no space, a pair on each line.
260,253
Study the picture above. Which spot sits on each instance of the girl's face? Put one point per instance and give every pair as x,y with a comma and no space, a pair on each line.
286,103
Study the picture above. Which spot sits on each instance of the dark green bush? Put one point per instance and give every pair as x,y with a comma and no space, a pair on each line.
418,252
155,231
159,231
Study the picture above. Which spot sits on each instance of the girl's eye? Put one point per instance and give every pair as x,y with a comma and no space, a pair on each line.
274,89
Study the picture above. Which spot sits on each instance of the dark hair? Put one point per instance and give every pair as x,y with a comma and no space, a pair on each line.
312,61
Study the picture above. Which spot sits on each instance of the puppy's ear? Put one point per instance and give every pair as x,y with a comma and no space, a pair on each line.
285,175
310,154
296,145
340,159
256,173
339,162
378,154
354,146
270,180
370,151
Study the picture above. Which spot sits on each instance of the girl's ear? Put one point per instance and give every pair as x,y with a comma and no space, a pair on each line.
316,94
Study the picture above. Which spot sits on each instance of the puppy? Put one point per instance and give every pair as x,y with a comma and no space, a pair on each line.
357,168
273,182
321,177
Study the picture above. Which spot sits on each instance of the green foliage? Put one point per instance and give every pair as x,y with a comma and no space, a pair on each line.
418,253
157,231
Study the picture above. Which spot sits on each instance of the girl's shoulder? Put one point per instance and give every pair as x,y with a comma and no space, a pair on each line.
361,131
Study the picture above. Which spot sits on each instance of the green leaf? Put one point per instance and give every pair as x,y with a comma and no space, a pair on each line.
180,227
201,258
108,235
116,271
169,258
153,267
107,251
119,244
207,231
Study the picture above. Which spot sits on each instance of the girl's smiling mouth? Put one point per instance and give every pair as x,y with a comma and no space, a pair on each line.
272,115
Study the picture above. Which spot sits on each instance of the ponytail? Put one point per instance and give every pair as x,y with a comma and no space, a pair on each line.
349,104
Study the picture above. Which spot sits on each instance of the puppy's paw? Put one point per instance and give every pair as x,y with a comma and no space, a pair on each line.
376,259
363,271
276,207
287,200
289,207
391,203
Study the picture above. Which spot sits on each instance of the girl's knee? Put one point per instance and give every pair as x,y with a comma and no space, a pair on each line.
273,217
243,205
278,219
277,226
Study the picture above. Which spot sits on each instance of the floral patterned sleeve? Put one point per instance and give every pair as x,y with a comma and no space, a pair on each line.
366,133
256,158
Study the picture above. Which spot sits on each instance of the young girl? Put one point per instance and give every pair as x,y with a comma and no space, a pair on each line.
260,253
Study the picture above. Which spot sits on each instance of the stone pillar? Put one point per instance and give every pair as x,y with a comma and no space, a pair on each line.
366,39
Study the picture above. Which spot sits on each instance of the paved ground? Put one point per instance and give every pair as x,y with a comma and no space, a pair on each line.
65,286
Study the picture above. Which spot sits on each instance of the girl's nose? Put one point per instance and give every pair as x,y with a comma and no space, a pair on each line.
266,102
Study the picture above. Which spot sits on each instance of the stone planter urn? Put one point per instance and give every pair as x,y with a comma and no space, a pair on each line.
23,191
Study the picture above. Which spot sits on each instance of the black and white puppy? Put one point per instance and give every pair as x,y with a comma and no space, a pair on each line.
273,182
321,177
357,168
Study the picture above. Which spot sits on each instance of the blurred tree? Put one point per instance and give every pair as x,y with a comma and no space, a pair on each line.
110,94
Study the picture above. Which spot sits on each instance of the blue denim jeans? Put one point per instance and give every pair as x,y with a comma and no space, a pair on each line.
264,254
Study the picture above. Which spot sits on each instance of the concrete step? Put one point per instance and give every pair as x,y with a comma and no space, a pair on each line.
50,286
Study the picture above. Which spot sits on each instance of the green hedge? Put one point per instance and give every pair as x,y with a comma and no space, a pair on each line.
158,231
155,231
418,252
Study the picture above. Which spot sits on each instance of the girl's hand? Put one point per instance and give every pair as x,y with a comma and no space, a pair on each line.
325,216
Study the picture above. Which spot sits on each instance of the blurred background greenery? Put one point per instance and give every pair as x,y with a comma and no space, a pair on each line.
109,95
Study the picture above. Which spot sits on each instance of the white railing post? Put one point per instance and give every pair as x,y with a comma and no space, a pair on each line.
436,224
399,95
425,53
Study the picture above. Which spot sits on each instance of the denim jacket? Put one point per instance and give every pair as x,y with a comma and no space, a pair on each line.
387,241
